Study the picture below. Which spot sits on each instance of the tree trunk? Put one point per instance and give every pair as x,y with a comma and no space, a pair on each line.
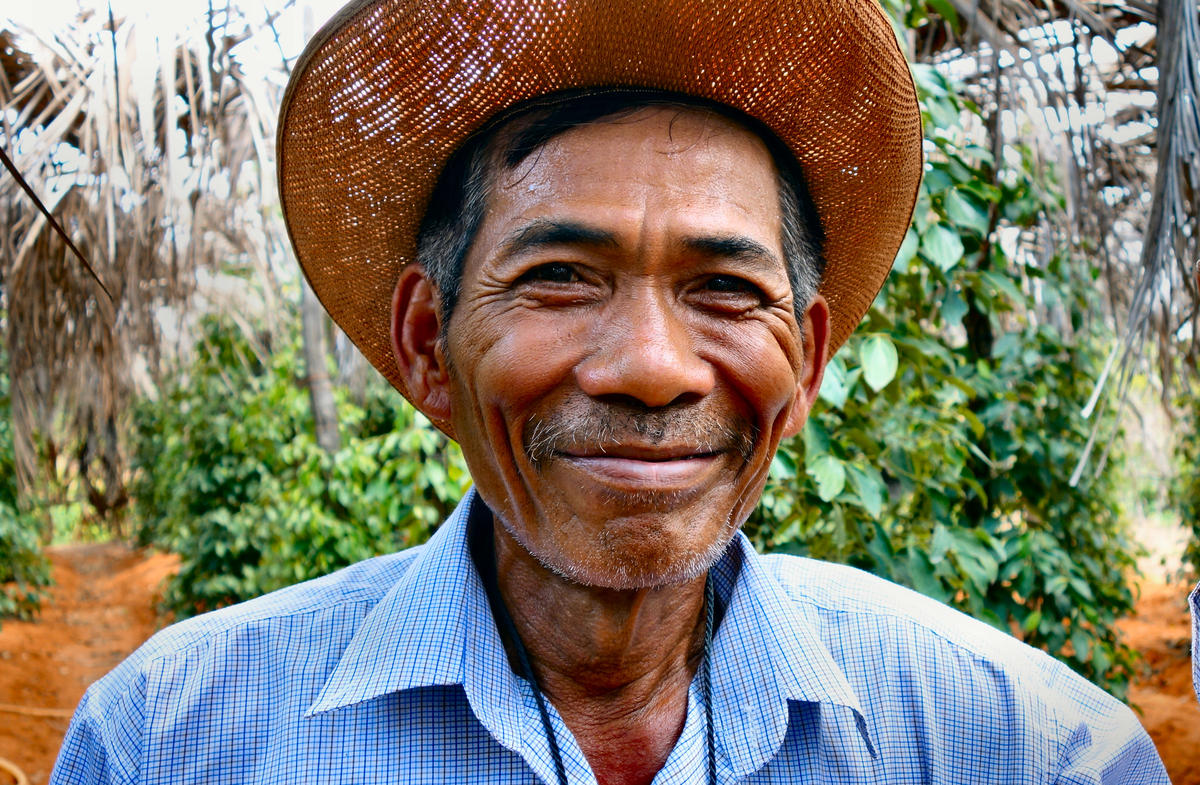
316,364
353,370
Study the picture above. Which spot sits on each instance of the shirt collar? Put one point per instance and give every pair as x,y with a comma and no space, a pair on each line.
434,627
767,652
419,633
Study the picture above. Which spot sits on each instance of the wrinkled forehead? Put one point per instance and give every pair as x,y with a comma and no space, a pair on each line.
515,138
704,153
670,130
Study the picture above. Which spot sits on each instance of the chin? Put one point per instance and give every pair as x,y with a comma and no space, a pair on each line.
632,557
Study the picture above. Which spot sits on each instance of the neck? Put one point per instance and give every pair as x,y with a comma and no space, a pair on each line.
616,664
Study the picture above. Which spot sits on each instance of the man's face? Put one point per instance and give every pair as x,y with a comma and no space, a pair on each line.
624,356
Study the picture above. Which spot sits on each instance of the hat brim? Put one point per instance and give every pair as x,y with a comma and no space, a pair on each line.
388,89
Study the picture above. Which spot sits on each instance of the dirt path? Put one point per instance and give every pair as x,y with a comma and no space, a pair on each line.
102,608
1160,630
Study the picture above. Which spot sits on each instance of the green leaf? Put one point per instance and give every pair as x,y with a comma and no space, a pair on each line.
978,570
907,252
977,426
869,487
939,544
1056,584
1032,621
937,180
879,360
965,212
929,80
1081,642
954,308
929,349
783,466
834,388
943,112
942,246
1003,283
1080,586
946,10
816,438
975,559
985,191
880,548
830,476
922,576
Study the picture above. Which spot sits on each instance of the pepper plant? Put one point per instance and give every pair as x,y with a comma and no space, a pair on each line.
228,475
941,452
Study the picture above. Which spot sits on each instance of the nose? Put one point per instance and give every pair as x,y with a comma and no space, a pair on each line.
644,351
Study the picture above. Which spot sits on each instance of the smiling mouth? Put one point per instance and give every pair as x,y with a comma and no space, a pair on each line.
632,448
645,469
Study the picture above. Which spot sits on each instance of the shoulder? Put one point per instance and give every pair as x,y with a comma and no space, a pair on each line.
887,636
916,663
350,592
834,596
274,650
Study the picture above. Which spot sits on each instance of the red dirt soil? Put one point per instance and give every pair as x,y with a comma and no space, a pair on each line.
1163,694
102,608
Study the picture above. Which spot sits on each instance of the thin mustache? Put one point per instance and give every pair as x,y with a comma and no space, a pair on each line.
606,426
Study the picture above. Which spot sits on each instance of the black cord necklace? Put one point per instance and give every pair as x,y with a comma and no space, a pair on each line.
483,551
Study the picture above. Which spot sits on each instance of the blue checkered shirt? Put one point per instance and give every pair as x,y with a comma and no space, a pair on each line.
392,671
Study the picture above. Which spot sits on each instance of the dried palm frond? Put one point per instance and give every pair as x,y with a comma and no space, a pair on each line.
154,154
1164,302
1124,117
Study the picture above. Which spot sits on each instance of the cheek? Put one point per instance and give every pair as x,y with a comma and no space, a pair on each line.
508,367
762,365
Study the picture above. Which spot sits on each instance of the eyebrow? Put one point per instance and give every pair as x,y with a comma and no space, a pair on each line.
733,247
544,232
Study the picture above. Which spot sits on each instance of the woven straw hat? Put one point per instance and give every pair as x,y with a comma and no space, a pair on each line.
388,89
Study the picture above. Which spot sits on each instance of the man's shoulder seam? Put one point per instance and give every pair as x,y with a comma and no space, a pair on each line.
203,636
858,605
325,596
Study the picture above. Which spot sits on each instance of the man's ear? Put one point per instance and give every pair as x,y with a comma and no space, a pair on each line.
416,342
816,355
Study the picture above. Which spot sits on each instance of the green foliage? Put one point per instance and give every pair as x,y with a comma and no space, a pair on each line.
24,570
950,423
1185,491
229,476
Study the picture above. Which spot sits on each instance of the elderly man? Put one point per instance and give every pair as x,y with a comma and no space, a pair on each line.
608,247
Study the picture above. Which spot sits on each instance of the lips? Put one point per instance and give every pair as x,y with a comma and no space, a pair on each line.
653,453
643,468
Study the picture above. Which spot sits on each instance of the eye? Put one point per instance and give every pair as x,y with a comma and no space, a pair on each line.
551,272
727,294
731,284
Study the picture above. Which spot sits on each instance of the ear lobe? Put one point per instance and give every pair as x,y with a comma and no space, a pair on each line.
816,356
416,343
